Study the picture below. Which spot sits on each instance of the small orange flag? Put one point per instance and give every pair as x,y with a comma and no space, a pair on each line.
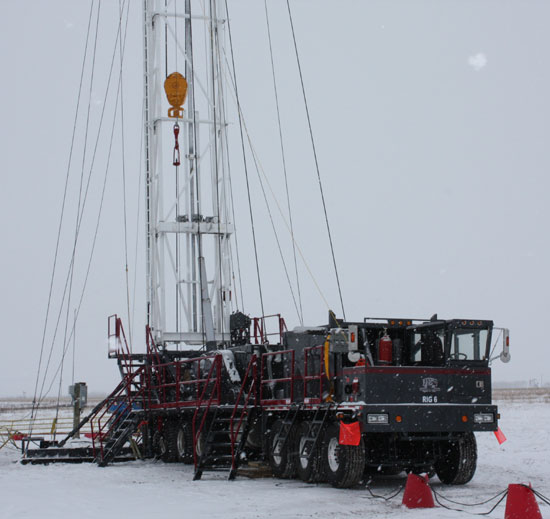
500,436
350,433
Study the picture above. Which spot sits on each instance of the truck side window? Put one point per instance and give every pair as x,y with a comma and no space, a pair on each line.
427,348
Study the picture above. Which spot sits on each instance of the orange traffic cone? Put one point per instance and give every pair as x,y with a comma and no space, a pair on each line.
418,493
521,503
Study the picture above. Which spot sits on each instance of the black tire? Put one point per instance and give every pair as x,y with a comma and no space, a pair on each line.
343,465
308,470
458,464
170,437
184,443
200,445
282,460
159,445
146,441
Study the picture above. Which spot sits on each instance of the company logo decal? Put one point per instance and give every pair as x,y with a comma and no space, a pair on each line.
430,385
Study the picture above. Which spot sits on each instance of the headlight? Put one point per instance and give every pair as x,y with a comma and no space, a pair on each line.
377,419
484,418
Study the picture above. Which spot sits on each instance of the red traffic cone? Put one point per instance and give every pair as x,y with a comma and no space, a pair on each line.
521,503
418,493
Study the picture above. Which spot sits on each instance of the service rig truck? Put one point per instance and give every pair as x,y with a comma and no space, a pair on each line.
333,403
219,389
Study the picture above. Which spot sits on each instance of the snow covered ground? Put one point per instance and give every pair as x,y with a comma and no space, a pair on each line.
154,489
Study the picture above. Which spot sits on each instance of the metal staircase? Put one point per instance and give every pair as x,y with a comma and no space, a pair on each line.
288,423
119,419
110,430
113,421
220,435
113,445
311,442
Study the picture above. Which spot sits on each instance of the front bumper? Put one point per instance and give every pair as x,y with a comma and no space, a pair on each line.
414,418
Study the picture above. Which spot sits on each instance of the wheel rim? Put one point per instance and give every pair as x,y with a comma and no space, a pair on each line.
198,446
303,459
332,454
276,449
180,442
162,446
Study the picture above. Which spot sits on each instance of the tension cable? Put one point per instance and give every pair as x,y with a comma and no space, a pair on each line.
316,160
62,213
245,162
301,312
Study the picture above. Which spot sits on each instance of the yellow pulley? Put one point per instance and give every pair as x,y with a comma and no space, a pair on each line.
175,87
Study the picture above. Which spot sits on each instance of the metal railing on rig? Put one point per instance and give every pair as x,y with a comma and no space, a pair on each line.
118,345
279,395
311,379
118,405
181,383
261,335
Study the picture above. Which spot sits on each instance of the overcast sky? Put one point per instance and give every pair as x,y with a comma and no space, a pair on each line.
431,121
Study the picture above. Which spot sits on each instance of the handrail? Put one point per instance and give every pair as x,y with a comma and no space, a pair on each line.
124,351
89,418
154,354
124,386
290,379
180,366
111,426
96,411
260,329
215,390
251,390
308,378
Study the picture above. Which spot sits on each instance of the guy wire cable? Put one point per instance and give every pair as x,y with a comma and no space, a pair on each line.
316,160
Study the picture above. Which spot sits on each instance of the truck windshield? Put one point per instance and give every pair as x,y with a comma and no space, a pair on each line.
468,344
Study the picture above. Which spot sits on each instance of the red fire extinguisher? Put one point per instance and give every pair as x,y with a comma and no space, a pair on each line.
385,349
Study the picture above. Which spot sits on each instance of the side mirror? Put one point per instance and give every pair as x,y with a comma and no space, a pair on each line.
505,354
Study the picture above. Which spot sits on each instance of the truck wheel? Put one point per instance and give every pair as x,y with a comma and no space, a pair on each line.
457,466
146,444
159,445
170,454
309,470
343,464
184,443
281,458
200,445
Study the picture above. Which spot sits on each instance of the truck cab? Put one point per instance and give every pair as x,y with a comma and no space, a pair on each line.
419,389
